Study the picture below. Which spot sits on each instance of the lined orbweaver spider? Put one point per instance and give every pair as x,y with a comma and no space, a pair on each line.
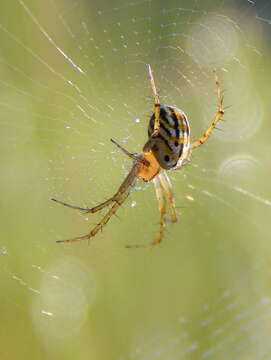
168,148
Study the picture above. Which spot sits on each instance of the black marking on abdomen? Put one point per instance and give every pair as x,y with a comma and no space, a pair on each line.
165,141
168,136
176,122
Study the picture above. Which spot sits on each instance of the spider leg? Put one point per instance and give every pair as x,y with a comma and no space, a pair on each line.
87,210
156,103
219,114
117,203
117,200
162,208
99,207
167,187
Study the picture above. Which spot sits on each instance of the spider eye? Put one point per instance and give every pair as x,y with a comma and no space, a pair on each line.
166,158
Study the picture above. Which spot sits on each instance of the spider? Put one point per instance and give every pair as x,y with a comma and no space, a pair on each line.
168,148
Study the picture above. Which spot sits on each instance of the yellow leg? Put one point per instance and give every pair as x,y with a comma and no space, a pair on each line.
162,209
218,116
87,210
117,200
167,187
156,103
117,203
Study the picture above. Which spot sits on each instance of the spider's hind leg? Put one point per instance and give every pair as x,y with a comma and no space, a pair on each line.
86,210
167,187
116,201
162,209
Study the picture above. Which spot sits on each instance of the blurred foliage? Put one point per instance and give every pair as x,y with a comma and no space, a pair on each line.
205,291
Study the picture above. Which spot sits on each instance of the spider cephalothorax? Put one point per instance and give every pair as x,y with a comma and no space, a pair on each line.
168,147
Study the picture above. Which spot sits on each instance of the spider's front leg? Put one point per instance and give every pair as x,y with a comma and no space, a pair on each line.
218,116
156,103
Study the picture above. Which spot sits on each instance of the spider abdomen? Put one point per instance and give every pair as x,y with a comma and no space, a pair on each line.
171,143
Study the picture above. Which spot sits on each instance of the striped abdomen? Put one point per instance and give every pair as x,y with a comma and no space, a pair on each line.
171,144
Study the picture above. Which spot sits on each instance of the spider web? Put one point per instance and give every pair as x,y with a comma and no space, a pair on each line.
72,76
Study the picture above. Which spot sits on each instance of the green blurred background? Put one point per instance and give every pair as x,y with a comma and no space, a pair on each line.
72,76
